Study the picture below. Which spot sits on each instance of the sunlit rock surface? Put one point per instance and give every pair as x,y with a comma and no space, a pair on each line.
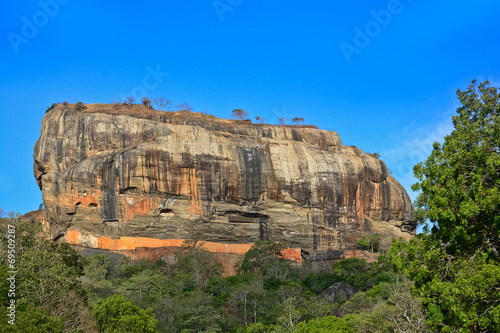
122,179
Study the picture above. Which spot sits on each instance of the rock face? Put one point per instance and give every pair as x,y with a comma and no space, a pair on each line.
131,178
338,292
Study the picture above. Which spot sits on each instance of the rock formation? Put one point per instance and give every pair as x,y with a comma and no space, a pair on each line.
338,292
122,179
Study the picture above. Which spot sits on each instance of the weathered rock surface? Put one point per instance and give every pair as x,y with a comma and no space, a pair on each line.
132,177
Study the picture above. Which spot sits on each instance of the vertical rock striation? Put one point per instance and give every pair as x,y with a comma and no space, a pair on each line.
134,177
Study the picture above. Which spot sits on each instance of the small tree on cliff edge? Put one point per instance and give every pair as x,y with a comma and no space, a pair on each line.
298,121
162,103
129,101
460,180
239,114
146,101
184,106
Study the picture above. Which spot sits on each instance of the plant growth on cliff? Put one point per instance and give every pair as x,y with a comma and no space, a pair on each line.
239,114
162,103
50,108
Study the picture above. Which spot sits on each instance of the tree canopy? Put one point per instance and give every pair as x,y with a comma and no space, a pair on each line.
460,181
239,114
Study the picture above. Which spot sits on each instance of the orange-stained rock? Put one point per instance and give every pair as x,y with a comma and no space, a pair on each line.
130,179
141,247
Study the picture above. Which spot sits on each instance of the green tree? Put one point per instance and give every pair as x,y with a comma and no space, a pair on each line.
357,272
116,314
80,106
460,181
32,319
195,267
95,272
329,324
459,293
48,278
265,257
50,108
370,242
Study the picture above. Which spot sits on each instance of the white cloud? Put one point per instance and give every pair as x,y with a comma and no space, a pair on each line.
415,148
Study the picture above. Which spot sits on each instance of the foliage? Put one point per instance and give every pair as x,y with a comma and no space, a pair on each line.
50,108
146,101
117,314
197,265
370,242
298,121
357,272
264,257
328,324
282,121
316,283
239,114
80,106
460,181
32,319
458,292
47,279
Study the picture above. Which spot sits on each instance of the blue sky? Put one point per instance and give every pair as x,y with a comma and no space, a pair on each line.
383,74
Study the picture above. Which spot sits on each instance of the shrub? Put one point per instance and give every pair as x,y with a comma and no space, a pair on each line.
65,103
49,108
80,106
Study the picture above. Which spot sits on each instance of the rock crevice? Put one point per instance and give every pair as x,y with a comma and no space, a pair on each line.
160,175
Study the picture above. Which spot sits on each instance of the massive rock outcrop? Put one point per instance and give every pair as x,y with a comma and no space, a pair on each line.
122,179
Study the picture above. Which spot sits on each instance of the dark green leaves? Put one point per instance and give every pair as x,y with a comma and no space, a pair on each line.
460,181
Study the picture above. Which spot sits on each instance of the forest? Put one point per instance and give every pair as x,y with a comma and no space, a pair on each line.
446,279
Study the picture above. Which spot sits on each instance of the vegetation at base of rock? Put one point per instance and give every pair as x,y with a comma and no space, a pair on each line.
444,280
370,242
117,314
